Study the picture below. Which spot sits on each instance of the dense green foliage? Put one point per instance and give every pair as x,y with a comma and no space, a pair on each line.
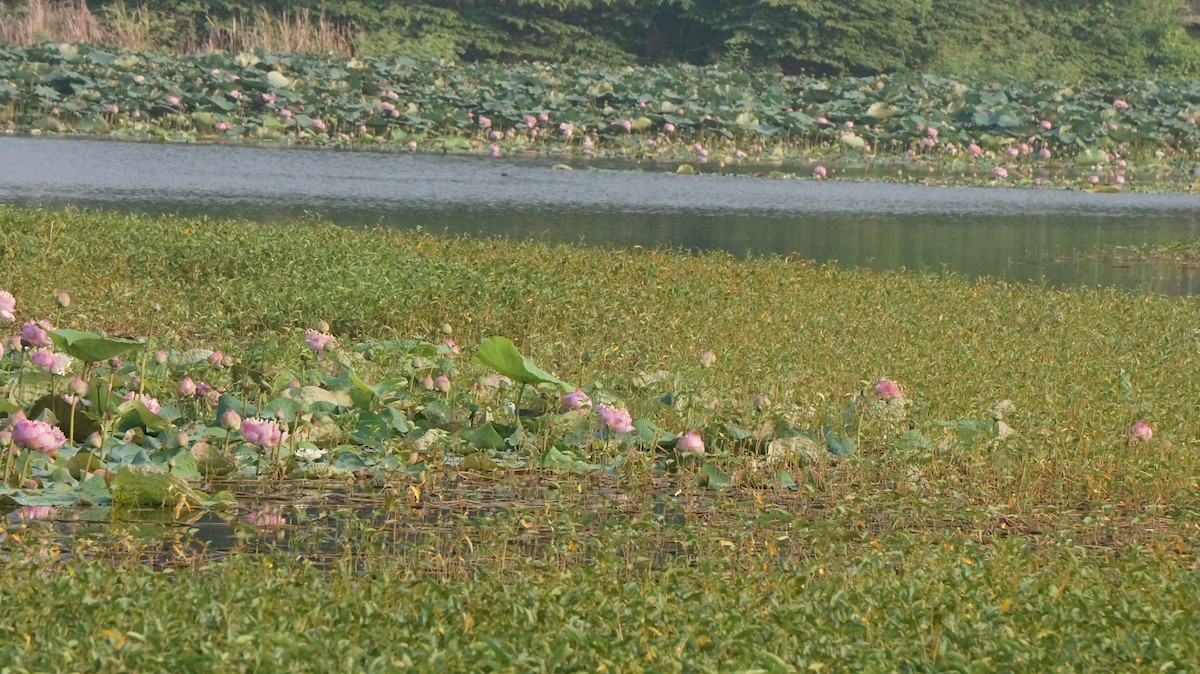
1063,39
1069,545
700,113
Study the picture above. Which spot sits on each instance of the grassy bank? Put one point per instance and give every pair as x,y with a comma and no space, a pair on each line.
921,537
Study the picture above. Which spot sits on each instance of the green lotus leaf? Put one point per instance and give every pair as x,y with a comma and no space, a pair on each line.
89,346
501,355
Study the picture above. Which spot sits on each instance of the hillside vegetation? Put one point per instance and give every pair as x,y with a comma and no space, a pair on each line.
1024,39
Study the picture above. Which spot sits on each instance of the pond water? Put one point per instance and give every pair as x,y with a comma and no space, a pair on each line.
1029,235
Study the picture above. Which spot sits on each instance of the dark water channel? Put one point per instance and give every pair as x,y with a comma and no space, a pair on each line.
1017,234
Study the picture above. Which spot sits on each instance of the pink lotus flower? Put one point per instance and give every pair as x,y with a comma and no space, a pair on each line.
48,361
172,101
222,127
318,341
112,108
146,401
62,299
1120,179
230,420
614,419
543,117
819,172
529,121
690,443
35,335
1141,431
494,150
38,436
707,359
1044,153
1120,104
427,382
442,383
263,432
216,358
1011,152
318,125
822,120
627,124
888,389
974,150
1093,179
8,306
1000,172
849,124
485,122
1047,124
669,127
411,145
573,401
567,129
187,387
77,387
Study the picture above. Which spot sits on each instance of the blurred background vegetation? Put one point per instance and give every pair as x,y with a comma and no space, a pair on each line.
1019,39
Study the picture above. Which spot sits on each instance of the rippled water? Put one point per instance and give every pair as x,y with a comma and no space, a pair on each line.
1019,234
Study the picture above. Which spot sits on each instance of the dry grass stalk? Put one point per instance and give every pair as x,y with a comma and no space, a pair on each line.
32,21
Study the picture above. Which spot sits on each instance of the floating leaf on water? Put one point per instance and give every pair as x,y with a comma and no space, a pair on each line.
321,471
562,167
211,461
145,486
483,437
278,80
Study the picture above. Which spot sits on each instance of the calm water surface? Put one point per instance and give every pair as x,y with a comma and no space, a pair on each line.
1018,234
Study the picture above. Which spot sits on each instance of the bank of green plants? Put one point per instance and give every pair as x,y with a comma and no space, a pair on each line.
1022,40
888,470
705,115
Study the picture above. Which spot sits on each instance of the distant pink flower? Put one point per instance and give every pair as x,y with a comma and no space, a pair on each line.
427,382
48,361
318,341
1000,172
264,519
931,132
573,401
284,113
669,127
442,383
614,419
1094,179
819,172
236,95
1190,120
172,101
888,389
216,358
411,145
1012,152
494,150
77,387
1044,153
690,443
222,127
1120,104
318,125
38,436
822,121
485,122
230,420
707,359
543,117
1120,180
495,135
529,121
35,335
263,432
8,306
849,124
974,150
1141,431
138,79
567,129
146,401
627,124
187,387
112,108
